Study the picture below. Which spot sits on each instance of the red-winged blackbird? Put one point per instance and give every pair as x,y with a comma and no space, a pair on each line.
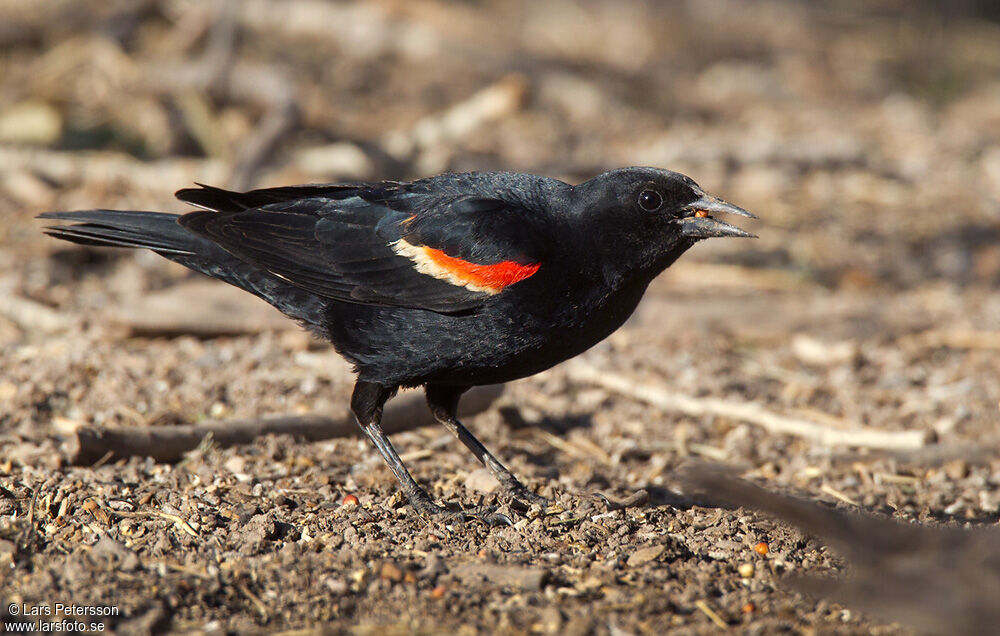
447,282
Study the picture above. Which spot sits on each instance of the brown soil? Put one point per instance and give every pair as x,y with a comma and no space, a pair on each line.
867,142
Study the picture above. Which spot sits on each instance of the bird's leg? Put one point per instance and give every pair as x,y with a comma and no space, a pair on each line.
366,403
443,402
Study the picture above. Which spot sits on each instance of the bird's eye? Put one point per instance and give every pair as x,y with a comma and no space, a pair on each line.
650,200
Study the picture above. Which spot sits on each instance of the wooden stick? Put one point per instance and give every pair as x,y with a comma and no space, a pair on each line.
169,443
33,316
749,412
954,339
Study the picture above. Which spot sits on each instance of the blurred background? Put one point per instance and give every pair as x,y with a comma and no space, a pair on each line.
864,134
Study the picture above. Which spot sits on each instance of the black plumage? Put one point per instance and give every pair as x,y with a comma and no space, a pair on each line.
446,282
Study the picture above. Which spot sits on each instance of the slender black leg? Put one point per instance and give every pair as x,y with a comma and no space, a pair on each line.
443,401
366,403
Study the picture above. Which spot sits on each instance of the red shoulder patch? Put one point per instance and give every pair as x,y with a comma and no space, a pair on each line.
491,279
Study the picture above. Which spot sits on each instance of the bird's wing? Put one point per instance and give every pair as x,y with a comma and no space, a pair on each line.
393,244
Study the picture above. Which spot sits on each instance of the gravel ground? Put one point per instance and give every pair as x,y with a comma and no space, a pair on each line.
866,138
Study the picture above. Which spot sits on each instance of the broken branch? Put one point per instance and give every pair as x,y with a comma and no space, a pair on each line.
169,443
749,412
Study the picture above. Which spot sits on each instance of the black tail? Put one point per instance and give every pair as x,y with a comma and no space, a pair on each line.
115,228
162,234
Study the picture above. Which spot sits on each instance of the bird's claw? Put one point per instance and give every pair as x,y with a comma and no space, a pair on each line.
635,499
490,516
486,514
526,498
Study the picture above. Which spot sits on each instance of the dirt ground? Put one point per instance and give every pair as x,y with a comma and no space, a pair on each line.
866,136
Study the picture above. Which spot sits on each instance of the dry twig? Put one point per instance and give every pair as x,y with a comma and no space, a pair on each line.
748,412
33,316
169,443
711,614
955,339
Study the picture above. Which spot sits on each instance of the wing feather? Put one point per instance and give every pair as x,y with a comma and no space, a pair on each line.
343,242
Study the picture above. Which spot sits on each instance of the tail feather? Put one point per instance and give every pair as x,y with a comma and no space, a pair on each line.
163,234
116,228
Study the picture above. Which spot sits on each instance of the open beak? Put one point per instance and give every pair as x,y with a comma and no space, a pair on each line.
701,224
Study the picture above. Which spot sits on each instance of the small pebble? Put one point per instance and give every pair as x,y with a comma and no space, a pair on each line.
336,586
391,572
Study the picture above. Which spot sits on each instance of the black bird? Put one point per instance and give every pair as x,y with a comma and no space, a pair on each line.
447,282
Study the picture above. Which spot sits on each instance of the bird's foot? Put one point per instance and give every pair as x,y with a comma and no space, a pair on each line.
524,497
635,499
426,507
489,515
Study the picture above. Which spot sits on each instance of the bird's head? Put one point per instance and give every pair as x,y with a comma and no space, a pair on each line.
644,218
